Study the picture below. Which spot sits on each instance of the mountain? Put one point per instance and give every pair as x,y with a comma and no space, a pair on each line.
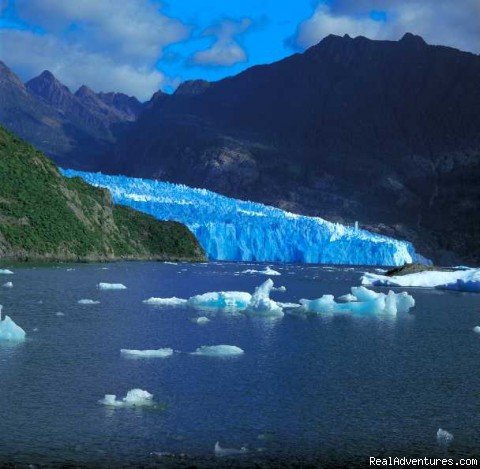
45,216
383,132
74,129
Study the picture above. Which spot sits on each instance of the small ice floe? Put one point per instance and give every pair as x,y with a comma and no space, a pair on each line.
70,270
201,320
174,301
222,452
229,300
444,437
59,314
111,286
87,301
158,353
9,331
6,272
8,285
267,271
281,289
367,302
218,351
476,329
134,398
170,263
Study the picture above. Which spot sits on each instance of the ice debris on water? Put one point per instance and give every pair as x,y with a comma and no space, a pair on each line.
174,301
9,331
218,351
60,314
87,301
221,452
134,398
6,272
444,437
267,271
261,304
367,302
158,353
347,298
476,329
8,285
111,286
465,280
230,300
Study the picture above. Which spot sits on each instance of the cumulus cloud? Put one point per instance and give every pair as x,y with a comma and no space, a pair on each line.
446,22
107,45
225,51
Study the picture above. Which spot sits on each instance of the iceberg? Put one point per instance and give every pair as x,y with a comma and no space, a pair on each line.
6,272
466,280
261,305
87,301
218,351
367,302
174,301
159,353
9,331
267,271
444,437
236,230
8,285
222,452
111,286
134,398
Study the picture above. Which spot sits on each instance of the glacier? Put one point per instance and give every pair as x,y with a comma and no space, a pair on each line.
236,230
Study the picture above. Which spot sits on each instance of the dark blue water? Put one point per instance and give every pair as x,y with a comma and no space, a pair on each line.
338,389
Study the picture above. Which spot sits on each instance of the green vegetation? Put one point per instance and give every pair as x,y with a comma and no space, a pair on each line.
45,216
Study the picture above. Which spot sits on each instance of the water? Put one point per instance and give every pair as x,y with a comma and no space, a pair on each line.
307,389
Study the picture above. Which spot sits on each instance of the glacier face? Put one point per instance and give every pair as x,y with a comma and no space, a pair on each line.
236,230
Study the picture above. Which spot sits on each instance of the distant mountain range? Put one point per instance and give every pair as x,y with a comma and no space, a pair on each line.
383,132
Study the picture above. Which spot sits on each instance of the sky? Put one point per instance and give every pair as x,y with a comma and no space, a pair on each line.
140,46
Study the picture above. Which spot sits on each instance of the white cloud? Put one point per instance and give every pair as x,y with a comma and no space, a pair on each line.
225,51
29,54
107,45
446,22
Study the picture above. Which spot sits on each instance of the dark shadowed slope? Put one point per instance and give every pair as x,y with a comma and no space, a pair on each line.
383,132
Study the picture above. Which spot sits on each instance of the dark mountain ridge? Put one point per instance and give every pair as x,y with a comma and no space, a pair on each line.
383,132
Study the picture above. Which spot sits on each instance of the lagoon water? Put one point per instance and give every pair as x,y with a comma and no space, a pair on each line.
328,390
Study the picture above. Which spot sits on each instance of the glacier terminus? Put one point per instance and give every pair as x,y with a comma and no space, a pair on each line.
236,230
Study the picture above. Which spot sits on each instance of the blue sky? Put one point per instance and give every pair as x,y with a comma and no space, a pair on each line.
139,46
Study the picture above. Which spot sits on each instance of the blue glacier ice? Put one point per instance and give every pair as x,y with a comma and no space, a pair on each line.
235,230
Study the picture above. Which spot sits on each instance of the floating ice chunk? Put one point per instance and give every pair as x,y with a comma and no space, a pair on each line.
444,437
460,280
171,263
229,300
267,271
134,398
282,289
369,302
9,330
111,286
174,301
87,301
201,320
288,305
218,351
8,285
60,314
261,304
221,452
476,329
6,272
159,353
347,298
